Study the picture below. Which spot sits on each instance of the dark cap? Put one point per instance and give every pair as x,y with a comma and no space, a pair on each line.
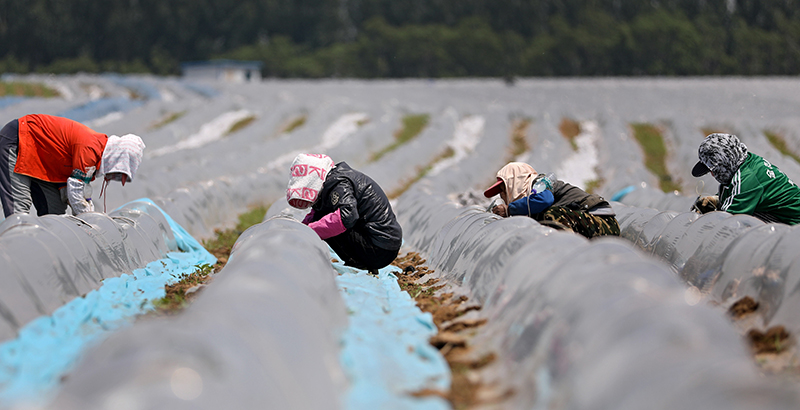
494,189
699,169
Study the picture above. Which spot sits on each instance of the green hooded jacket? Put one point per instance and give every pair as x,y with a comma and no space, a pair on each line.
759,188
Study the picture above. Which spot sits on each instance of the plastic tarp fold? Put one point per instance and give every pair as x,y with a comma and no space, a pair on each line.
56,258
727,257
580,324
264,334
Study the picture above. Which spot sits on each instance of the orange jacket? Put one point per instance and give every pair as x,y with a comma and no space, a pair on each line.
55,148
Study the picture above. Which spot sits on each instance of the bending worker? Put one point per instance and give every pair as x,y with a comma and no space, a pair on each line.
748,183
563,206
49,161
349,211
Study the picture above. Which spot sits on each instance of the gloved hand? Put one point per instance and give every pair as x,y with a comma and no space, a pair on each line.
501,210
79,196
706,204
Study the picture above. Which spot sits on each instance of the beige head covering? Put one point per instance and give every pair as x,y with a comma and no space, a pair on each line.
516,177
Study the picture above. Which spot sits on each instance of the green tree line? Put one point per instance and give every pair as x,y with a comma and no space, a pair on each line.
406,38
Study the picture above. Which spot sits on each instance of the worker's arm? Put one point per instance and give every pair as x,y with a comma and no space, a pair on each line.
85,160
342,197
77,193
329,225
532,204
743,202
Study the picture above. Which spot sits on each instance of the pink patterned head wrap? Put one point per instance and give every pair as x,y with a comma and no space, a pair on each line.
307,175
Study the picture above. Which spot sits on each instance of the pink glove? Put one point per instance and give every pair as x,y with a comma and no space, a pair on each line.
329,225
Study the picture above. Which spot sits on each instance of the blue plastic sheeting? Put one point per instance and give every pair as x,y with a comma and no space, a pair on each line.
9,101
203,90
622,192
99,108
385,352
142,88
48,347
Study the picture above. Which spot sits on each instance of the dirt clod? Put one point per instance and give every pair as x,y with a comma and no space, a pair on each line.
464,324
445,338
743,307
774,340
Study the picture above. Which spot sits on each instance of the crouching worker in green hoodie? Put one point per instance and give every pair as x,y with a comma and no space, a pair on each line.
748,183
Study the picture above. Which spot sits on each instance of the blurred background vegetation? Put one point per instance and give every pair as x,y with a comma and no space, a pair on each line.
406,38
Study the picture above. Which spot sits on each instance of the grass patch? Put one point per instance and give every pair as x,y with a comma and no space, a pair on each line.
655,152
238,125
570,129
23,89
412,127
415,290
176,297
779,143
592,185
170,117
421,172
220,246
294,124
519,142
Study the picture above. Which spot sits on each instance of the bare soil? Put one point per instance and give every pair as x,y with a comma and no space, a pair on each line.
773,349
453,339
774,340
742,307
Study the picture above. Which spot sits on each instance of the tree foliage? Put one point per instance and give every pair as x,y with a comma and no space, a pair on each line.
406,38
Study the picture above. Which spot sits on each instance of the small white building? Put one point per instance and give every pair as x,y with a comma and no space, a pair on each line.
232,71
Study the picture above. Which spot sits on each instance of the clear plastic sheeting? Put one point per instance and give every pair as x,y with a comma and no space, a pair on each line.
202,207
50,260
727,257
265,334
580,324
646,197
385,350
501,262
48,347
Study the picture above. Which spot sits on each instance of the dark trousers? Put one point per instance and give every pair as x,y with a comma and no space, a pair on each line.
358,251
19,192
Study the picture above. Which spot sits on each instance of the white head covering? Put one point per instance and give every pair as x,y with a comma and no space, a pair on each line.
122,154
306,177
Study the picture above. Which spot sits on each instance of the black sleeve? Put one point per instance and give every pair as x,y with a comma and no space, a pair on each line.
343,198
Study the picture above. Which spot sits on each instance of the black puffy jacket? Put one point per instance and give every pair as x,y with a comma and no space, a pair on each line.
363,206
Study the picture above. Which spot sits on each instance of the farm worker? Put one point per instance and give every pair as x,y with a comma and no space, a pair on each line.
49,161
748,183
349,211
562,206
